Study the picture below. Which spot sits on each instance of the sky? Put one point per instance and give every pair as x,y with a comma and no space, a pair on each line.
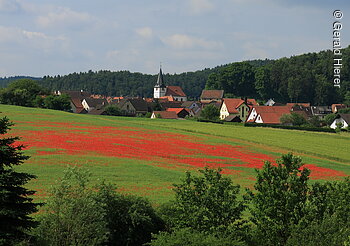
52,37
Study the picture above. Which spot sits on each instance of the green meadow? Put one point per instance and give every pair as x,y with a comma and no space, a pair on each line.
153,178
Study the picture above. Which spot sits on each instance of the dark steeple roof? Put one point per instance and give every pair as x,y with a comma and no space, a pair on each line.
160,80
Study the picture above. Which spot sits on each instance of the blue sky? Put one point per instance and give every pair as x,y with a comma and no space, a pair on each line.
53,37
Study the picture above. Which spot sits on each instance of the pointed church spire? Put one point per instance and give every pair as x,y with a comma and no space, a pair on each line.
160,80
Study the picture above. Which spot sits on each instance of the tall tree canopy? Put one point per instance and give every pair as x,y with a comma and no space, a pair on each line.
15,204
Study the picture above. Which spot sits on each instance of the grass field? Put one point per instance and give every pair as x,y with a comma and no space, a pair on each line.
145,157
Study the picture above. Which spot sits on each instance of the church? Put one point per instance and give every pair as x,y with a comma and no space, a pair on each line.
162,91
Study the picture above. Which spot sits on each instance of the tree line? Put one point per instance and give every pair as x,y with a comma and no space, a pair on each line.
208,208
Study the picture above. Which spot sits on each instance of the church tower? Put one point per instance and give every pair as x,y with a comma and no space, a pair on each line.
160,88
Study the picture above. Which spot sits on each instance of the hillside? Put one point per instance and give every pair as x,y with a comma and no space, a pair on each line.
145,157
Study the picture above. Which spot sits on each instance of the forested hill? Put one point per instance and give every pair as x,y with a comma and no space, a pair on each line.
303,78
124,83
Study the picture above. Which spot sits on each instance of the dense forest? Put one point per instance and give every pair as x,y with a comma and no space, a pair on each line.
303,78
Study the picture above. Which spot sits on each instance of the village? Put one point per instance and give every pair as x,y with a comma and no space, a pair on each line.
171,102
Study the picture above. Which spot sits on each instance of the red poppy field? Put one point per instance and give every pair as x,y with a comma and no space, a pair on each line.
144,158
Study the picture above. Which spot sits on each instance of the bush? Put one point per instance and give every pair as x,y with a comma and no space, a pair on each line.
188,237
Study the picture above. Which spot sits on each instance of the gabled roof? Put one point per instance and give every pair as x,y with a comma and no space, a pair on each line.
175,91
138,103
76,102
76,94
233,103
345,117
94,102
212,94
271,114
300,104
165,114
178,110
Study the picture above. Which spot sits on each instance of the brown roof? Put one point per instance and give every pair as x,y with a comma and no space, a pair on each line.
94,102
77,94
272,114
346,117
301,104
174,91
174,104
139,104
166,114
212,94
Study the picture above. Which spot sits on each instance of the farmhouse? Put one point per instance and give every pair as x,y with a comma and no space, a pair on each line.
236,109
343,119
133,106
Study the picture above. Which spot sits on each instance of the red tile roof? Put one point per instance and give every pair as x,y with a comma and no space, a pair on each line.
212,94
233,103
174,91
302,104
165,114
272,114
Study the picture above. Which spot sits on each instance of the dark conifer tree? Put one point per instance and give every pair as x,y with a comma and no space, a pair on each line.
15,203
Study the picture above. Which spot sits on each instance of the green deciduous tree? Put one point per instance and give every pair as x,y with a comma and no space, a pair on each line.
56,102
278,203
188,237
72,214
207,203
210,112
22,92
326,221
131,220
294,119
15,204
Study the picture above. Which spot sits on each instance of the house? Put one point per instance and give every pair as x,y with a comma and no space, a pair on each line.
170,104
301,104
92,103
176,92
208,96
337,107
321,111
134,106
160,90
236,109
77,106
344,119
76,98
164,115
267,114
180,112
193,106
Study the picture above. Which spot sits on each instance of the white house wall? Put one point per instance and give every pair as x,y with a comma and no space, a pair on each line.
223,111
336,121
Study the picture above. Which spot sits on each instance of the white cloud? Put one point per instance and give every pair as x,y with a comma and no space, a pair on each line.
182,41
9,6
64,17
33,40
201,6
145,32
